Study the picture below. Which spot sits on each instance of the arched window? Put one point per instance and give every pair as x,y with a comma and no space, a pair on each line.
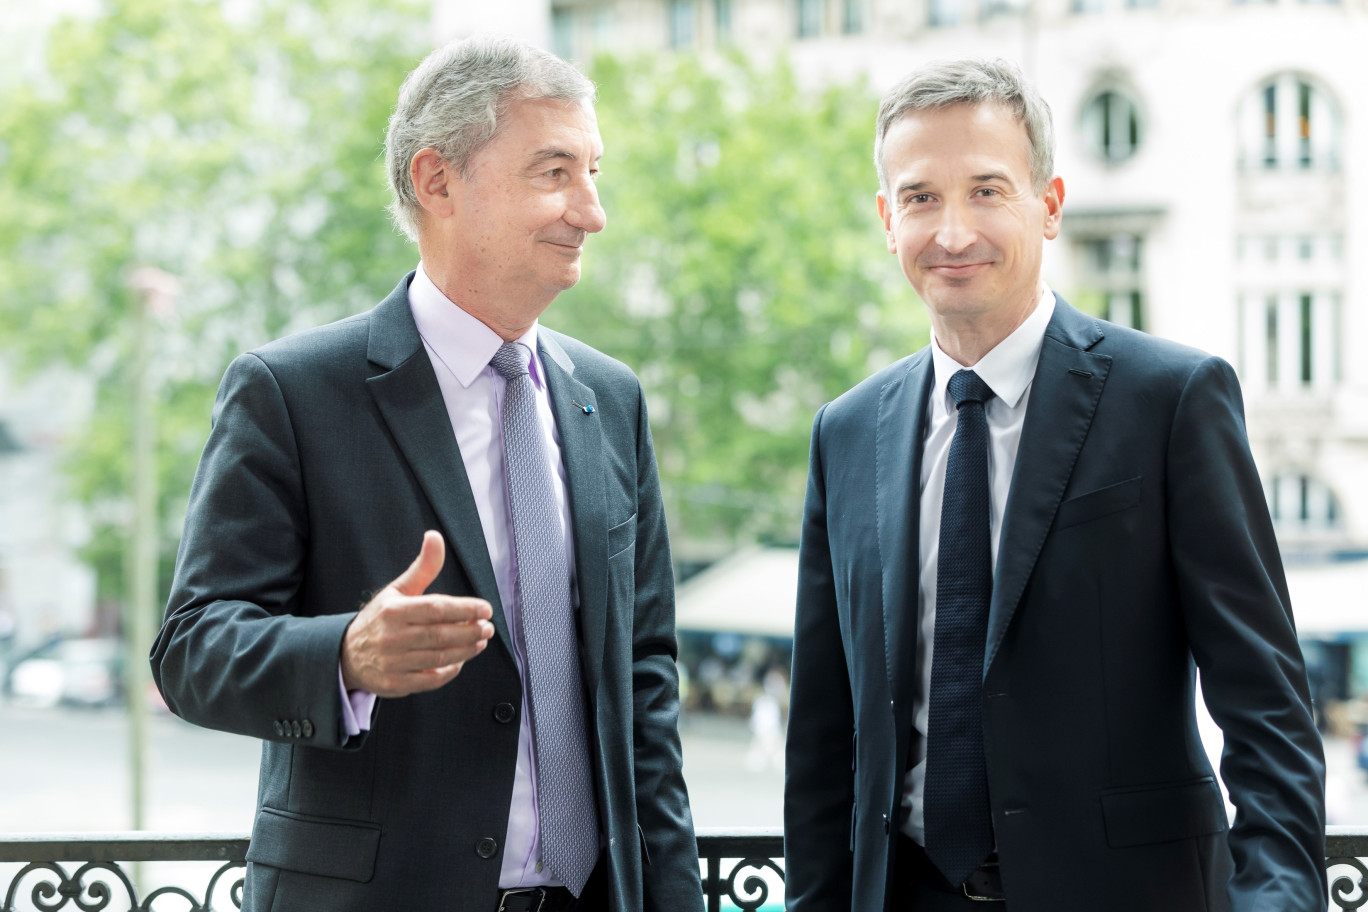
1111,125
1288,123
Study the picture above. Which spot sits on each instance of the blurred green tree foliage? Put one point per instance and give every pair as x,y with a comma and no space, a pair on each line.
743,274
231,144
237,146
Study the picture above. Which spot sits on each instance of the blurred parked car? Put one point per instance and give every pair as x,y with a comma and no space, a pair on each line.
81,672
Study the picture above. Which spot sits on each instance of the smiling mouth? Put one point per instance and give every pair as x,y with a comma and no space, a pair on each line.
956,268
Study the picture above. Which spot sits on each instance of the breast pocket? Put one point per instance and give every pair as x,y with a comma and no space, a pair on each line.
1099,503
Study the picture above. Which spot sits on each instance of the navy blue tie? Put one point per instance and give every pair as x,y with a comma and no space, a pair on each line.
958,816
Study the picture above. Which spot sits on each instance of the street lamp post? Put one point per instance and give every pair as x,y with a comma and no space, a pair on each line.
156,292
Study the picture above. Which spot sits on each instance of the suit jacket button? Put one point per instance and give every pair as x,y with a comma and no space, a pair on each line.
504,712
279,728
307,728
486,848
885,817
296,729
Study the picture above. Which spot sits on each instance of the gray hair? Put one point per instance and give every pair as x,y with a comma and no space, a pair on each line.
453,102
974,82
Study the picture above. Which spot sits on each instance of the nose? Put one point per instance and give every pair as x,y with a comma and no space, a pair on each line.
584,211
956,232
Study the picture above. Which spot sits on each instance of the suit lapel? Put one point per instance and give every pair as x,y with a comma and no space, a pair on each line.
411,403
898,459
1064,395
581,435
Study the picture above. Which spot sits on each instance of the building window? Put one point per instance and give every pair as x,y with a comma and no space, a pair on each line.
1300,503
1289,124
943,12
682,18
1141,4
1290,339
1111,124
722,16
1114,267
563,32
809,18
852,17
1087,6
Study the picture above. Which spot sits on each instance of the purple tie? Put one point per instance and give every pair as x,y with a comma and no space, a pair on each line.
565,788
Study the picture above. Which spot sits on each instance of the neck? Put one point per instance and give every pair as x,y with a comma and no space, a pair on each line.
968,337
504,311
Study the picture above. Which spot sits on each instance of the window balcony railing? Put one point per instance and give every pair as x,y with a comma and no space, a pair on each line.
742,869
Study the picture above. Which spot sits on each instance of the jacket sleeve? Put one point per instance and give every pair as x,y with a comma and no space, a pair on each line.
1240,629
819,795
232,653
670,875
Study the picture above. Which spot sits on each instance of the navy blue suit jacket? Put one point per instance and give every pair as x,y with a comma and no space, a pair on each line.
1136,548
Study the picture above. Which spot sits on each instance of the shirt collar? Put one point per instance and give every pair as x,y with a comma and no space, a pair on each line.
1010,366
460,341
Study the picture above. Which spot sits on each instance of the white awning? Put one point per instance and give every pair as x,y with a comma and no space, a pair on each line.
752,592
1329,599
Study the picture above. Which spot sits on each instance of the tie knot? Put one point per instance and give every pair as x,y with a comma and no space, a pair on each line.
509,361
967,386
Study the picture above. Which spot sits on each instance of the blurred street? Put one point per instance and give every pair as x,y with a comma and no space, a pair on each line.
64,770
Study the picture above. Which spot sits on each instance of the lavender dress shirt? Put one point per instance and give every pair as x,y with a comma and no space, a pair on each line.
460,347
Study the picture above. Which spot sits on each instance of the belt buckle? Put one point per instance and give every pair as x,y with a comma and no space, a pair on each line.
987,884
522,891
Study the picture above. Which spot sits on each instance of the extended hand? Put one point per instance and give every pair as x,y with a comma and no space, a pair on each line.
405,641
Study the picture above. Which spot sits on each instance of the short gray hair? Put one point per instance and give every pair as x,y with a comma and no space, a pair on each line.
453,102
943,84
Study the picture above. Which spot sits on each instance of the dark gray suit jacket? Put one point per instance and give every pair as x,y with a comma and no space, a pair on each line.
1135,541
331,452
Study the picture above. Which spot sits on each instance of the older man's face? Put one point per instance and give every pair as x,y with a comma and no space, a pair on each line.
528,201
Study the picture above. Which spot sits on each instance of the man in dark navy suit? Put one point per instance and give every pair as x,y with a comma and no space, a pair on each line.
1020,545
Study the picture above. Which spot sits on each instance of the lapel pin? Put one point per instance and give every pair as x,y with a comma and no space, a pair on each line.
587,409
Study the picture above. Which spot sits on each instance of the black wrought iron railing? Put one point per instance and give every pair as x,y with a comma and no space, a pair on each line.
99,872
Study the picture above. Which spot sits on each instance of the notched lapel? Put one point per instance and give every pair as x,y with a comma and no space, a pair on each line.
581,434
411,403
1064,395
897,494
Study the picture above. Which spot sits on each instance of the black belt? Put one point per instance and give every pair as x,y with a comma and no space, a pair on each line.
984,883
535,899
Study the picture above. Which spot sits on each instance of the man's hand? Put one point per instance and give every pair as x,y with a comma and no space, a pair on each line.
405,641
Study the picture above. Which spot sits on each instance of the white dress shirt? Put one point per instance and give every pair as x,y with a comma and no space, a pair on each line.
1008,370
460,348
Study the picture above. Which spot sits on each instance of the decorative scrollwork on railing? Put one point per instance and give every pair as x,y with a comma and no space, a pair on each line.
95,884
1347,890
754,890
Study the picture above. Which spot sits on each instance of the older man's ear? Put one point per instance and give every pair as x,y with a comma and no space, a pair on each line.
432,176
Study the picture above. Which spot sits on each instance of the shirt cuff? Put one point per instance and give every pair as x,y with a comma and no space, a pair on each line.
356,707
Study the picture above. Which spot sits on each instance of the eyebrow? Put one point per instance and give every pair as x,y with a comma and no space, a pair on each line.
552,154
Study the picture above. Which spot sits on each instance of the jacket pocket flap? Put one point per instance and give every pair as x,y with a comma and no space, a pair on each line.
1139,816
1096,504
622,536
314,845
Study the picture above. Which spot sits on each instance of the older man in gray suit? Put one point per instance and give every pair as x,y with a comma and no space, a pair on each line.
494,727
